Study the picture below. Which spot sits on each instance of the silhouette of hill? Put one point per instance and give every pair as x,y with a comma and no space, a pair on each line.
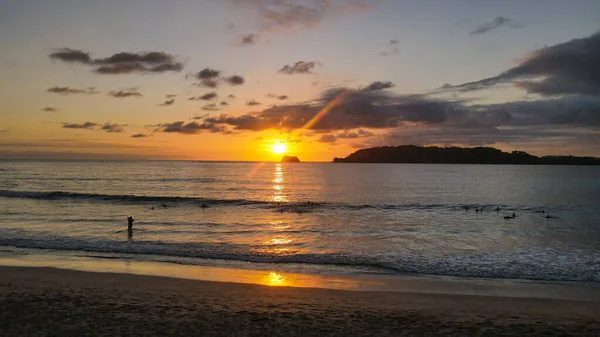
457,155
290,159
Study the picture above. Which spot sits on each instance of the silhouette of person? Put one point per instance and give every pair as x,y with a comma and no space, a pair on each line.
130,223
204,206
165,205
514,215
129,233
497,209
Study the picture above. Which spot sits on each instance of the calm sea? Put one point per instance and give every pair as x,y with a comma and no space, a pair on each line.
312,217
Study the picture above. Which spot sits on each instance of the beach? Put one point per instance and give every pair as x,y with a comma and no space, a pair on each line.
48,301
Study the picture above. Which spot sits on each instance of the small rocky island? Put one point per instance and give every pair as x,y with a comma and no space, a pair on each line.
457,155
290,159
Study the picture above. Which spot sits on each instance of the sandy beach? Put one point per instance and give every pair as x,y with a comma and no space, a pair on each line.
48,301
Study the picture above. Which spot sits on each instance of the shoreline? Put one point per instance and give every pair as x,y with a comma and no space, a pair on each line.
67,302
333,279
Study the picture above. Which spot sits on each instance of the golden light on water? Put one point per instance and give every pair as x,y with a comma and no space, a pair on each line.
276,280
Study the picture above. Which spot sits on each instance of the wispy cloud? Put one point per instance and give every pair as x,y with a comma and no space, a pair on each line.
139,135
113,128
495,24
121,63
168,102
131,92
246,40
86,125
49,109
300,67
378,85
72,91
252,103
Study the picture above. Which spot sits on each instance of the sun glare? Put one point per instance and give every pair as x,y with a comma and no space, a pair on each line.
278,148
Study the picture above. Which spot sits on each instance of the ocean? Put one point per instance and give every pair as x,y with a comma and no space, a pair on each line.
319,218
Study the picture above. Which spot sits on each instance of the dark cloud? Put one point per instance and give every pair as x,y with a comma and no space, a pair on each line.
206,97
139,135
354,134
378,85
496,23
279,97
207,73
327,138
300,67
224,104
168,102
191,128
210,107
246,40
49,109
235,80
86,125
208,83
71,91
231,96
252,103
571,67
113,128
71,56
132,92
122,63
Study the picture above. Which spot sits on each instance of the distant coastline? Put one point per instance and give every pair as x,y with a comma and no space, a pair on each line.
412,154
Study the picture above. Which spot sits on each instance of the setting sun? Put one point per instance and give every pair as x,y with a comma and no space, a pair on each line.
278,148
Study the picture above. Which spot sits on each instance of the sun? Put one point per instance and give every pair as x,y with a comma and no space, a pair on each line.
278,148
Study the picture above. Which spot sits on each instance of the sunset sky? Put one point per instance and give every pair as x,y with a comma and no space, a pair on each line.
227,79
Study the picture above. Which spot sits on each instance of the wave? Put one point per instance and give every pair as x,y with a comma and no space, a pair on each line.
288,207
540,265
61,195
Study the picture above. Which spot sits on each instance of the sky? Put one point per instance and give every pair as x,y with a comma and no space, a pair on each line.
235,79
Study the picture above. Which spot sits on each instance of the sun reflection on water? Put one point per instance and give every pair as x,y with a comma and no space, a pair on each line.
278,185
276,280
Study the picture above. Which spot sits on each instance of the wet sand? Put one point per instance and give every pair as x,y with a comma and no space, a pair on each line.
47,301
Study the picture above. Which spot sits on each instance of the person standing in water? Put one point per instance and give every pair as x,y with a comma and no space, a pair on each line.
130,222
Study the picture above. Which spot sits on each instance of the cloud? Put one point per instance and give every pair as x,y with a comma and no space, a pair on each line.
168,102
279,97
191,128
206,97
246,40
235,80
72,91
496,23
139,135
132,92
113,128
571,67
224,104
207,73
86,125
231,96
71,56
299,67
252,103
327,139
378,85
394,42
121,63
170,96
289,15
210,107
49,109
354,134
